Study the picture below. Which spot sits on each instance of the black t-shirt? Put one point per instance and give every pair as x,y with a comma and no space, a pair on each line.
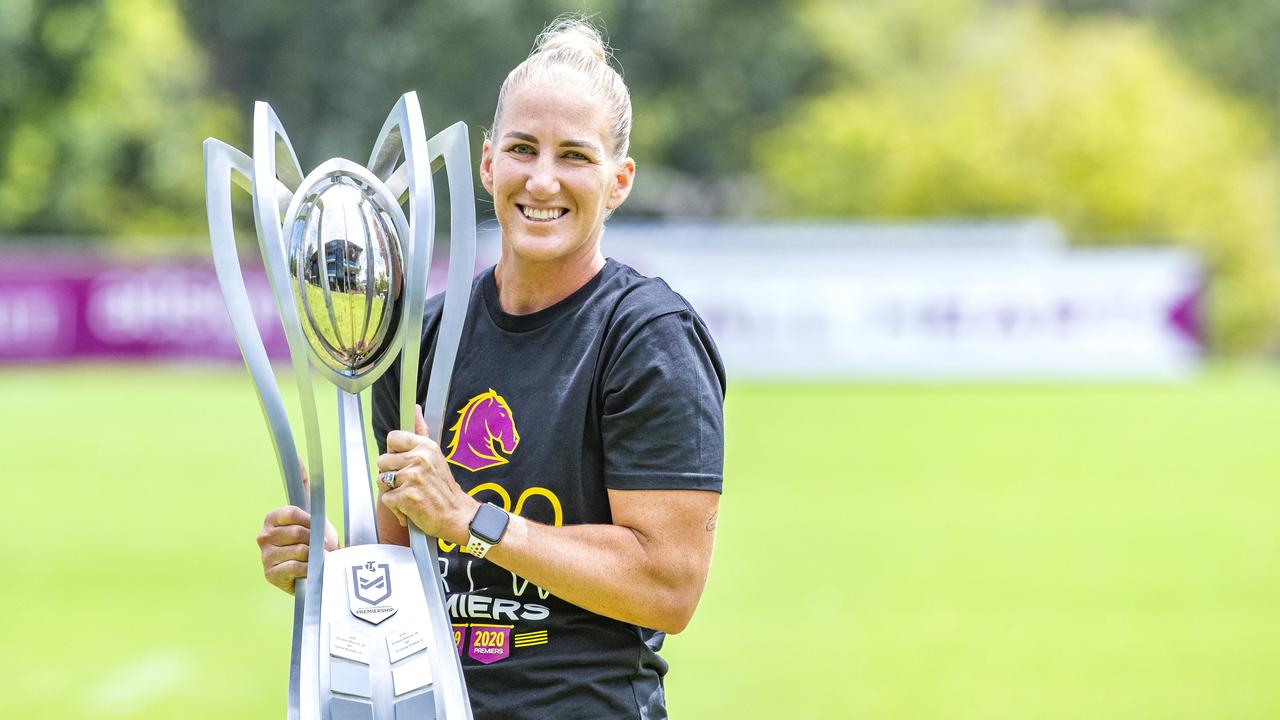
619,386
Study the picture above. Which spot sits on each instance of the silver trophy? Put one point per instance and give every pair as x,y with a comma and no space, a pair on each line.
371,637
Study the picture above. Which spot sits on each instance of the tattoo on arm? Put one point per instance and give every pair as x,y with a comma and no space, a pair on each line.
711,521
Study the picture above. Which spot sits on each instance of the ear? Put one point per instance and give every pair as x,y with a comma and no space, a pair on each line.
624,176
486,166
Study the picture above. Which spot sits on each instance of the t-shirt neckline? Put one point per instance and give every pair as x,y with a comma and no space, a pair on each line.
541,318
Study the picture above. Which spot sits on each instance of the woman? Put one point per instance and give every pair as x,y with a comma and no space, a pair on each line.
575,496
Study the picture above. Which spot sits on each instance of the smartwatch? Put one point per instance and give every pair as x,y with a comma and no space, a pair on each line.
486,528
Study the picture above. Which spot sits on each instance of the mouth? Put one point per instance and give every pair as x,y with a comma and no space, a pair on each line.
542,214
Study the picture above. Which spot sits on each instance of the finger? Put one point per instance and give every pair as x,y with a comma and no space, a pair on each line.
274,555
390,503
419,422
287,515
283,575
283,535
388,481
401,441
389,461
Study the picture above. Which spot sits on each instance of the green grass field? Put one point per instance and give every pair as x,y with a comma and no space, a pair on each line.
884,552
351,313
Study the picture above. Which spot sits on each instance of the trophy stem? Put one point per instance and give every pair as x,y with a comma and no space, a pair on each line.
359,524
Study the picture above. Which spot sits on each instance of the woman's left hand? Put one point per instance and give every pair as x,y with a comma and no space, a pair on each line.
425,491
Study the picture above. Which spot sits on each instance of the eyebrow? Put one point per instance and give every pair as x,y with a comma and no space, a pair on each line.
567,143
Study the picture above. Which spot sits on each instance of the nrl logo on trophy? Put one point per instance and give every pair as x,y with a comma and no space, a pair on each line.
346,249
371,585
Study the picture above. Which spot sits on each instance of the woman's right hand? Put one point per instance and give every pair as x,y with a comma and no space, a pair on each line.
286,531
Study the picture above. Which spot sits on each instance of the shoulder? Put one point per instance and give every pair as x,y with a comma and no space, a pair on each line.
653,328
638,301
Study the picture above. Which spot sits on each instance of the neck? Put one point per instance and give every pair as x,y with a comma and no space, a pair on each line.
526,287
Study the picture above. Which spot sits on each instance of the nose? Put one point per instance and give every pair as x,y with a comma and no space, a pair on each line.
542,181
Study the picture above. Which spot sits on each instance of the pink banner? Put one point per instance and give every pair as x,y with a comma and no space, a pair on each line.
63,308
54,309
489,643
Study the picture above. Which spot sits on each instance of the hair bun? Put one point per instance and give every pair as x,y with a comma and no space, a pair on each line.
572,51
571,33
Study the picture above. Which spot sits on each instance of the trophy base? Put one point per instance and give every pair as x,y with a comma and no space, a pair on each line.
374,636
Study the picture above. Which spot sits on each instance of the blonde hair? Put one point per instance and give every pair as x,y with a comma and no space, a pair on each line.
570,49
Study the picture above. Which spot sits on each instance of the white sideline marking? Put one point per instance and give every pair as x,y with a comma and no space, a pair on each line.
136,684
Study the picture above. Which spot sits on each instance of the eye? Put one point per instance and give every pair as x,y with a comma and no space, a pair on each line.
522,149
575,155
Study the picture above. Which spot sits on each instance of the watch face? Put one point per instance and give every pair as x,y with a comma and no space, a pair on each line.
489,523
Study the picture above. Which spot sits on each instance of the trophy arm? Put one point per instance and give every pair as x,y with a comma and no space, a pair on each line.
449,149
270,144
452,148
225,165
268,138
245,182
405,132
451,145
398,181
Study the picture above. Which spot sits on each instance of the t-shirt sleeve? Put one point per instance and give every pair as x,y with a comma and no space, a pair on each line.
663,409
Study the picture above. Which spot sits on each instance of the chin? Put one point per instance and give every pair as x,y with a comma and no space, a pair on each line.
545,245
538,249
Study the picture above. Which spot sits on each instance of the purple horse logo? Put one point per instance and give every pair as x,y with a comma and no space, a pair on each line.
484,425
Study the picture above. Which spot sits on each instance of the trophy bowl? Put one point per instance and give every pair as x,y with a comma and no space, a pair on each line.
346,262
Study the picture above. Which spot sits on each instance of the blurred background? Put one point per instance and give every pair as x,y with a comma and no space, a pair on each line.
997,284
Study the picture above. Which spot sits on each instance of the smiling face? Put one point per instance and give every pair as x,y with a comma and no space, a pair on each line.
552,174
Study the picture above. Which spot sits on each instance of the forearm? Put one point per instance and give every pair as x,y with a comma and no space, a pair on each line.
608,569
648,566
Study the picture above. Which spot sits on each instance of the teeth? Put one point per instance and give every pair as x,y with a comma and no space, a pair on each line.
537,214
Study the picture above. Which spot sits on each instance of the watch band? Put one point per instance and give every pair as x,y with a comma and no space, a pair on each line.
476,546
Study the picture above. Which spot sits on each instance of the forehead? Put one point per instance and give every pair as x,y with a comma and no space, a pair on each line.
553,112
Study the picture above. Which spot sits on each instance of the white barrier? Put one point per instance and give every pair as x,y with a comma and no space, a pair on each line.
919,302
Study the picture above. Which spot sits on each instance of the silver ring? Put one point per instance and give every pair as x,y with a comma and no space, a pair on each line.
388,480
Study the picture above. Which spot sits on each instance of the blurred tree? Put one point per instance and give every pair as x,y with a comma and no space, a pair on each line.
1007,111
705,75
103,107
1235,41
1232,41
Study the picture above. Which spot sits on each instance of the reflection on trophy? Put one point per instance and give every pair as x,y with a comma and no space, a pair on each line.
348,269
